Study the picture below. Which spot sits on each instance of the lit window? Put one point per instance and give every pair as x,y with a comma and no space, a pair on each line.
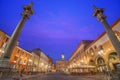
0,37
87,52
91,51
15,58
25,61
117,35
26,54
95,47
1,45
4,45
22,53
20,61
6,40
18,51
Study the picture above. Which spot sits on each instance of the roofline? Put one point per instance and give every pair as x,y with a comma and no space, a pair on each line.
24,50
41,51
5,32
76,49
79,46
112,26
17,41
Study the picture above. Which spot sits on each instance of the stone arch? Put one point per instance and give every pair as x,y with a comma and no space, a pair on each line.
100,64
100,47
91,62
91,50
108,53
100,60
95,47
113,59
100,50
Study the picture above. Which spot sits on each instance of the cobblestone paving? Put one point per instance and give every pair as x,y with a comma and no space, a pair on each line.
61,76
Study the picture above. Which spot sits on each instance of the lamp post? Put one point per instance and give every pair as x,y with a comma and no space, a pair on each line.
98,12
14,38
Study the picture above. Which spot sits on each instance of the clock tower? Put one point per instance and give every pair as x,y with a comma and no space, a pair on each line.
62,56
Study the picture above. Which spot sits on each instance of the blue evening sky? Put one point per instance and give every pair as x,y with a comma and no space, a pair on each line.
57,26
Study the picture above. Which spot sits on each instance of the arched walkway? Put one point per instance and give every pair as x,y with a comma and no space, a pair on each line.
101,64
92,63
112,60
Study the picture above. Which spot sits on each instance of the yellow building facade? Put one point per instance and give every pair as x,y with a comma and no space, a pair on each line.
19,57
99,55
3,41
61,66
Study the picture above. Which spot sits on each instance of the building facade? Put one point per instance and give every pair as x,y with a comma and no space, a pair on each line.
76,61
99,55
43,64
3,41
34,61
62,65
19,57
51,65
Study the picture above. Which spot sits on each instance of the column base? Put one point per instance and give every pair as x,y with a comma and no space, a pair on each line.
5,63
6,69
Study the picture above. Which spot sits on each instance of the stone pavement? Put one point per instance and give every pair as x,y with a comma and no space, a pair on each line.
62,76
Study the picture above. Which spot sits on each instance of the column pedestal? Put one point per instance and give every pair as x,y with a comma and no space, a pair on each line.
7,70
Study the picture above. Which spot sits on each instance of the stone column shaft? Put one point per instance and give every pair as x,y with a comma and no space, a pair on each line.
98,12
115,42
14,38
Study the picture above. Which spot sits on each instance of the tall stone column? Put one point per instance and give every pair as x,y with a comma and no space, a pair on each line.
98,12
14,38
5,62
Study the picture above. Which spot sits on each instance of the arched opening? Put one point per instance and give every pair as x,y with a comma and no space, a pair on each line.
95,47
91,51
113,59
92,63
101,64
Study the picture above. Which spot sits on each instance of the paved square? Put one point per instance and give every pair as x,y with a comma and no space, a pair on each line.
62,76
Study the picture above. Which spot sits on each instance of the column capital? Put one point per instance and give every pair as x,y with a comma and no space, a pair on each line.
27,11
98,12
